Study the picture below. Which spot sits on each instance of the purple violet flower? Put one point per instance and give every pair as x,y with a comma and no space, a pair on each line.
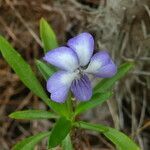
76,61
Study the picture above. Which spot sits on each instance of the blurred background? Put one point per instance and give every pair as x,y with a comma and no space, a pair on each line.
122,27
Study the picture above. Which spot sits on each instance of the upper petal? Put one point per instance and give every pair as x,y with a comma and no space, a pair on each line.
101,65
58,85
82,88
83,45
62,57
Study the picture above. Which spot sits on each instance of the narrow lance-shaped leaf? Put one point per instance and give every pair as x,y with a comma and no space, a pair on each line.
96,100
89,126
47,36
122,141
106,84
22,69
30,142
44,69
59,132
32,114
66,143
26,75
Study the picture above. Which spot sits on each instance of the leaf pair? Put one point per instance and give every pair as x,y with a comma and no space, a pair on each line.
24,71
119,139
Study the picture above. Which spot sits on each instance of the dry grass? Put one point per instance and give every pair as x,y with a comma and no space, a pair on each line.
122,27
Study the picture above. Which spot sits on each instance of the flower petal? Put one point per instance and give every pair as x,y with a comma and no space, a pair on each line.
101,65
82,88
62,57
107,71
83,45
58,85
97,61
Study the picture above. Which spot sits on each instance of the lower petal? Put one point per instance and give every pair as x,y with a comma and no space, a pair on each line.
82,88
60,95
59,84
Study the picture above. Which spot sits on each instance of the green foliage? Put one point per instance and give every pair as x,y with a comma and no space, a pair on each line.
67,144
59,132
32,114
22,69
106,84
30,142
118,138
45,69
47,36
121,141
96,100
94,127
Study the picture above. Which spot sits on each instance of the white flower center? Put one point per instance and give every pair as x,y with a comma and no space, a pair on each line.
79,72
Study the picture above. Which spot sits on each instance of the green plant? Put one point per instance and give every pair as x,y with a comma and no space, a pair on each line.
63,113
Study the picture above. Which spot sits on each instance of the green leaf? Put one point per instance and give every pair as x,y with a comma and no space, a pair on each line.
89,126
30,142
122,141
47,36
32,114
118,138
22,69
106,84
96,100
67,144
59,132
45,69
